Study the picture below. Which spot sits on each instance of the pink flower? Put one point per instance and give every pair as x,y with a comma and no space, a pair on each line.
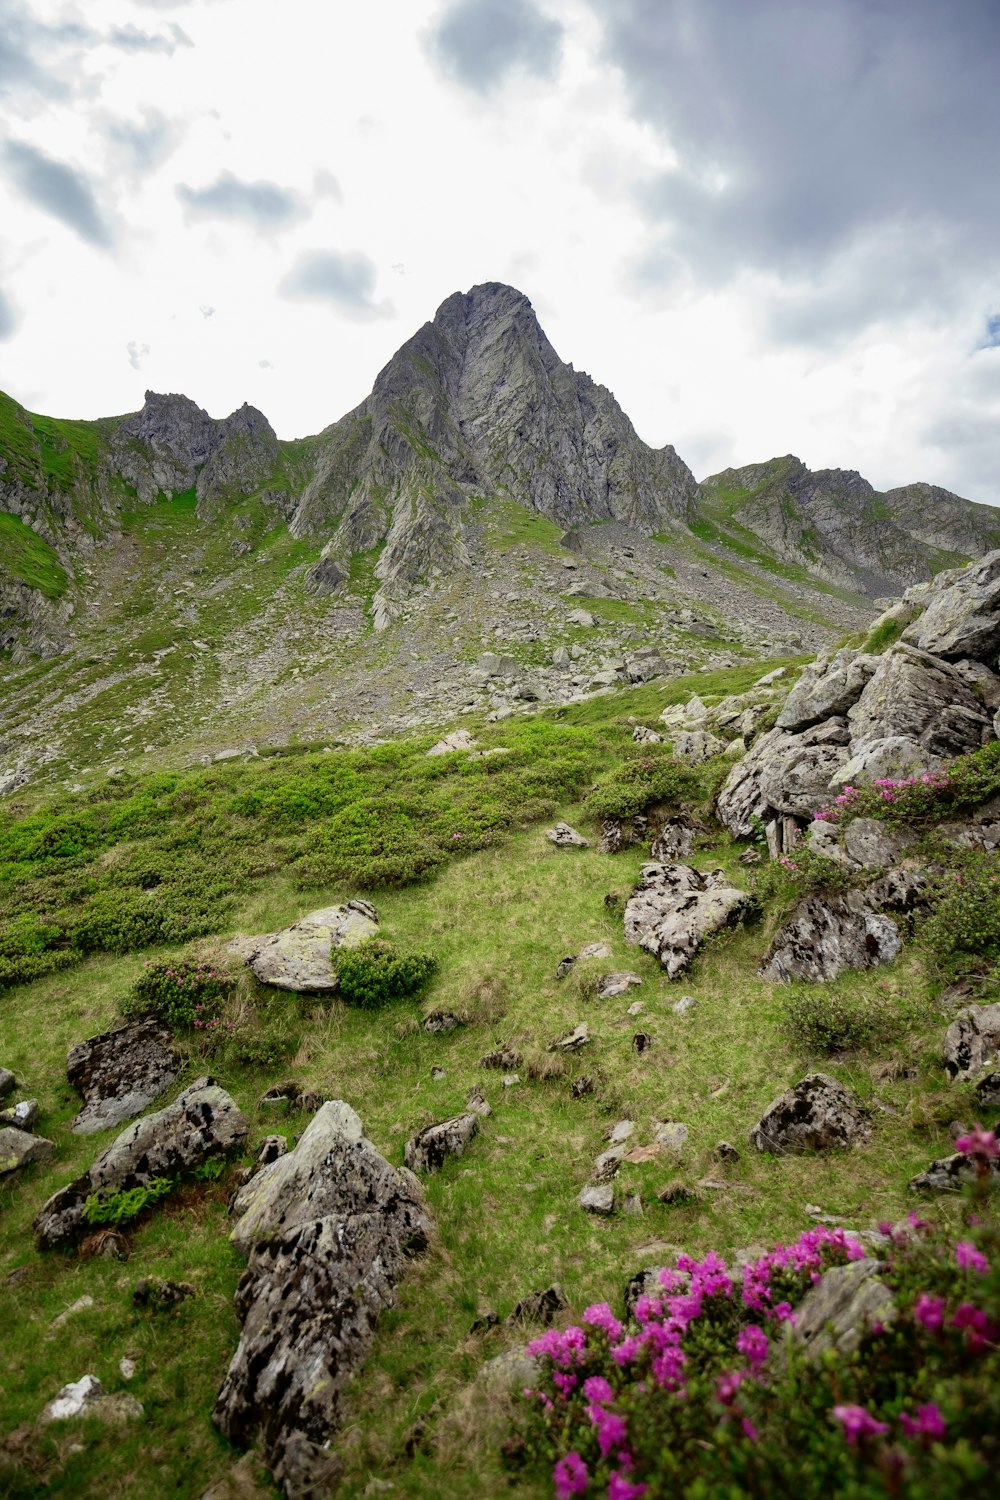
727,1387
858,1423
752,1342
612,1430
928,1310
971,1259
596,1388
981,1331
620,1488
599,1315
570,1476
928,1423
749,1430
978,1143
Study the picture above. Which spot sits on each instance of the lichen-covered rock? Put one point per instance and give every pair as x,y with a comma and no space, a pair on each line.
22,1116
872,844
972,1042
782,773
963,620
675,840
817,1114
330,1229
842,1306
826,936
696,745
460,740
121,1072
298,957
430,1148
20,1149
87,1398
675,907
565,837
202,1122
826,689
949,1174
8,1082
610,986
598,1198
916,697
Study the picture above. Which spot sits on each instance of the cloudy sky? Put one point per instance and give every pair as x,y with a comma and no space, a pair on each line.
767,225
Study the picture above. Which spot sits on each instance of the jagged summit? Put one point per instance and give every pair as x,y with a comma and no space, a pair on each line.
477,402
173,445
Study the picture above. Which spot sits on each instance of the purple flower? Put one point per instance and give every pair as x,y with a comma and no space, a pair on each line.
749,1430
570,1476
620,1488
978,1143
727,1387
928,1310
977,1325
612,1430
858,1423
928,1423
599,1315
596,1388
971,1259
752,1342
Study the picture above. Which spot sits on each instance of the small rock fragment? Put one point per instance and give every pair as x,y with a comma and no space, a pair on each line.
642,1042
440,1022
565,837
581,1086
502,1058
620,1131
671,1133
598,1198
478,1103
22,1116
428,1150
725,1152
572,1041
159,1295
19,1149
539,1307
674,1193
683,1005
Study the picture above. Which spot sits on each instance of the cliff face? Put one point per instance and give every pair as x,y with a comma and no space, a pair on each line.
172,445
478,402
833,522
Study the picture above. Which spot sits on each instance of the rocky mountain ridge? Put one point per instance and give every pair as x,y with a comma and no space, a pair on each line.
485,499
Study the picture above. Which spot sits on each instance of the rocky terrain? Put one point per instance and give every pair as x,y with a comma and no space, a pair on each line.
744,988
485,531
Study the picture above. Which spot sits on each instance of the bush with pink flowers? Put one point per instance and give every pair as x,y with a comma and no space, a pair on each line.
709,1393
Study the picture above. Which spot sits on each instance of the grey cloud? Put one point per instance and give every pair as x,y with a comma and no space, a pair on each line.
8,321
991,337
802,129
144,145
481,42
207,312
23,39
264,205
58,189
129,38
347,279
136,353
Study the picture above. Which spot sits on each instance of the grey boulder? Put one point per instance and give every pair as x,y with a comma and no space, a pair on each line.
675,840
202,1122
121,1072
565,837
825,937
610,986
963,620
827,688
430,1148
782,773
696,745
817,1114
972,1042
298,957
8,1082
22,1116
330,1229
916,697
842,1307
949,1174
20,1149
674,908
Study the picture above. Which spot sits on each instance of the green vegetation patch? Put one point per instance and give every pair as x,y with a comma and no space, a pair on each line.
25,556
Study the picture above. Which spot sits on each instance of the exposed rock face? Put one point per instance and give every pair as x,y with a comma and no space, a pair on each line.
20,1149
972,1042
329,1230
782,774
120,1073
476,398
695,745
963,620
825,937
172,445
460,740
818,1114
202,1122
565,837
430,1148
915,697
674,908
298,957
949,1174
675,840
842,1306
827,689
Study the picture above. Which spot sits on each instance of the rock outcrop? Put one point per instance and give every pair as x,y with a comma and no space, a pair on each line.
972,1042
674,908
430,1148
818,1114
329,1230
203,1122
18,1148
121,1072
826,936
298,957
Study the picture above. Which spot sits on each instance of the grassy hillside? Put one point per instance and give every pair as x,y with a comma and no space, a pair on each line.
453,853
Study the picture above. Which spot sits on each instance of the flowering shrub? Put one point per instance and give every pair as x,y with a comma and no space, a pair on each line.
187,996
710,1394
903,800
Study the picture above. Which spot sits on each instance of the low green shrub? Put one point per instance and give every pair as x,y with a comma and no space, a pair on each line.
652,777
961,933
187,996
822,1020
802,873
375,973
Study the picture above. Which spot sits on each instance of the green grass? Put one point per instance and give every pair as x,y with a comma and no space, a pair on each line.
498,909
511,525
25,556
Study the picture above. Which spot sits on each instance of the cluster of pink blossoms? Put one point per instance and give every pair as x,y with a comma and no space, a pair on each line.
888,788
663,1320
